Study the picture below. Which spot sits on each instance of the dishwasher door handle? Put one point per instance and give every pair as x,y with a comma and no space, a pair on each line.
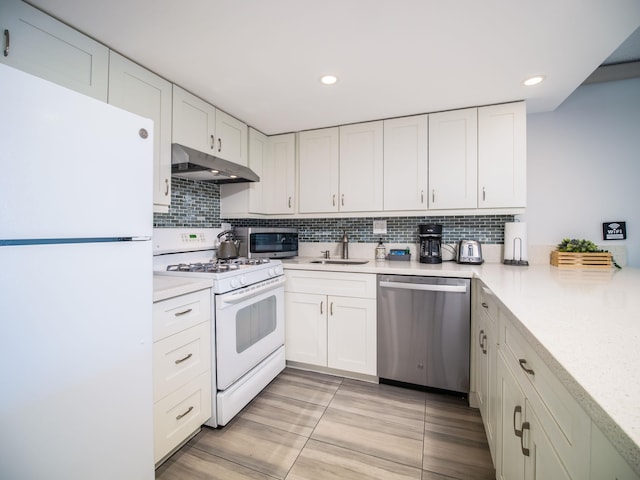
425,287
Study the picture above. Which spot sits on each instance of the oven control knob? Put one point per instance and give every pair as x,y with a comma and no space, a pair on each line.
272,272
243,280
279,270
235,283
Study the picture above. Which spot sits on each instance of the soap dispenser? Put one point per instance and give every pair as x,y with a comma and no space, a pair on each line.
381,251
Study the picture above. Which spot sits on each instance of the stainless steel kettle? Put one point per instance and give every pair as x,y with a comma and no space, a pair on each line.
227,248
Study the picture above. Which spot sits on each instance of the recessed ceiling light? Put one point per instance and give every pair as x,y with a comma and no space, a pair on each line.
328,79
529,82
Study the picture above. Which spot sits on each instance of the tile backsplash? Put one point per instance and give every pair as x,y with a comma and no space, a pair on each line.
197,204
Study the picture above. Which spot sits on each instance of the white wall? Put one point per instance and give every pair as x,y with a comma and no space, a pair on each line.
583,167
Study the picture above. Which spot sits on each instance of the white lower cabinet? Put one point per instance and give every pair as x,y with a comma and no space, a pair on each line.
606,462
331,320
181,369
542,431
486,351
525,451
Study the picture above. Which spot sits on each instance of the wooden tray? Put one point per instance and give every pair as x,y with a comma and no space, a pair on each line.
581,260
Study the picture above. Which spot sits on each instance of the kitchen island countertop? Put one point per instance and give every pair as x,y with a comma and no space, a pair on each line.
585,324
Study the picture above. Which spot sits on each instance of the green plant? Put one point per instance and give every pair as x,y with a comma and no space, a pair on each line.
579,246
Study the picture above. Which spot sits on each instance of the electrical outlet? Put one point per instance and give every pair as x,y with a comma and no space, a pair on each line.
380,227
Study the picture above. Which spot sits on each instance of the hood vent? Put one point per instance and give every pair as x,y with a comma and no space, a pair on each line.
192,164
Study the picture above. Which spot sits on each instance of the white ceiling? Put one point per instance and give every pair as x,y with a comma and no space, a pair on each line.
260,60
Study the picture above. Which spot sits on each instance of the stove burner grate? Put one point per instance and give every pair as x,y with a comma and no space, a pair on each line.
216,267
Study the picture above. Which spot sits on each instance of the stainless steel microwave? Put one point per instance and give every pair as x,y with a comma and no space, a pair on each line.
261,242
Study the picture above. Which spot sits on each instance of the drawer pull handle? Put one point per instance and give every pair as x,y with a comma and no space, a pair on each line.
525,451
331,309
321,303
480,338
184,359
517,410
185,413
212,145
7,40
485,305
184,312
522,363
484,344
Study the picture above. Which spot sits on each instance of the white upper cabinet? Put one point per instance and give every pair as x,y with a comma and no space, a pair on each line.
231,140
453,159
137,90
361,167
502,156
278,174
42,46
405,163
194,122
199,125
319,167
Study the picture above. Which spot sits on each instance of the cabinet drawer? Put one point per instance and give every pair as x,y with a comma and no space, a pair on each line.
180,358
487,302
176,314
362,285
180,414
565,422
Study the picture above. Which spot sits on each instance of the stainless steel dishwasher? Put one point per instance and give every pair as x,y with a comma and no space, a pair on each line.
424,330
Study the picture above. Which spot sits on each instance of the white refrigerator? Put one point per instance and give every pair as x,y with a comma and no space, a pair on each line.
75,285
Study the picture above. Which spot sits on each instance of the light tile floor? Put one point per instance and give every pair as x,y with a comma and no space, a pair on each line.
310,426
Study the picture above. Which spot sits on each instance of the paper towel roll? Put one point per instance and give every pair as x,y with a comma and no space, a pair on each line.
515,241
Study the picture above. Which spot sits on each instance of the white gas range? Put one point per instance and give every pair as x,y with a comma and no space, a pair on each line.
248,302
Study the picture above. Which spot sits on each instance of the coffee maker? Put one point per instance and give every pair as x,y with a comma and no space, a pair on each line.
430,243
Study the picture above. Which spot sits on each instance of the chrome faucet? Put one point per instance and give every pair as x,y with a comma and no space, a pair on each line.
345,245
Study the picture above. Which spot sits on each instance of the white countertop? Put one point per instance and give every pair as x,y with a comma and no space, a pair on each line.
584,323
166,286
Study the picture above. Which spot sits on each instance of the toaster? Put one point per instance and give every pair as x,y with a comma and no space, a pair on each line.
469,251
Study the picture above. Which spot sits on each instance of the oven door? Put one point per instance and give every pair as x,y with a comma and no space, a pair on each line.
249,327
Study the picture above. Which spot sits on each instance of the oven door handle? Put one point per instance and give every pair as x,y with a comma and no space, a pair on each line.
240,295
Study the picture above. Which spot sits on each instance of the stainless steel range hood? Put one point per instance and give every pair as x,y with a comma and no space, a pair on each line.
189,163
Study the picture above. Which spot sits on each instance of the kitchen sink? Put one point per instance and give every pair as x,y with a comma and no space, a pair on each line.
339,261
